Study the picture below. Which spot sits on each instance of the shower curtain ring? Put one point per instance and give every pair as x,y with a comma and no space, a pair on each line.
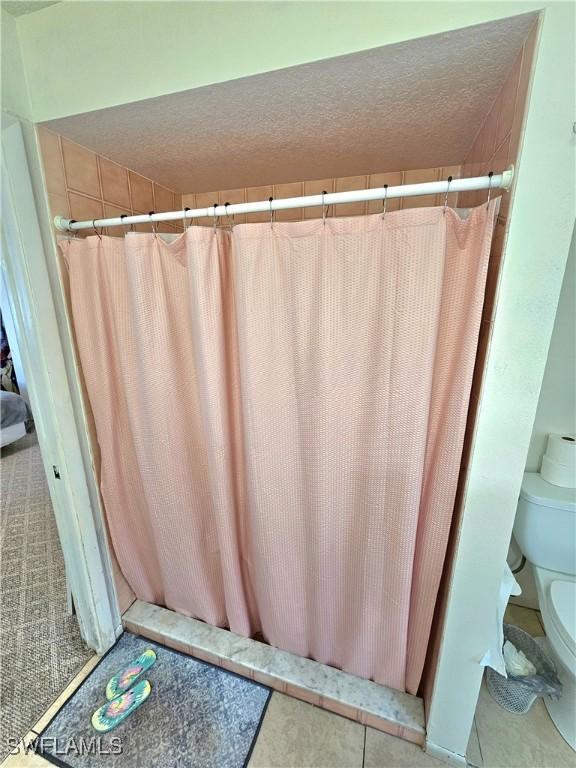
384,201
270,201
122,217
150,214
215,217
229,216
186,222
489,187
125,216
324,207
95,230
447,190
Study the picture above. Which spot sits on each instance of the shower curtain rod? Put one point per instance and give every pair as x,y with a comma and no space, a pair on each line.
501,180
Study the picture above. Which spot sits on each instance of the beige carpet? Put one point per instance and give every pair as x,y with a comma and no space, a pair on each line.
40,645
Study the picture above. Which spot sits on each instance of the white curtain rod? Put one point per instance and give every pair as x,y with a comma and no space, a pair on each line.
491,181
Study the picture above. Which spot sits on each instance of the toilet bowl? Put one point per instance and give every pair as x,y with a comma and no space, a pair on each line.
545,530
557,600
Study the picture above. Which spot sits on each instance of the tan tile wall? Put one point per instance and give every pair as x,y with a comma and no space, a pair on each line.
84,185
316,187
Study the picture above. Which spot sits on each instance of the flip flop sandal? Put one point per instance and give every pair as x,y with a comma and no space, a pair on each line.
125,679
110,715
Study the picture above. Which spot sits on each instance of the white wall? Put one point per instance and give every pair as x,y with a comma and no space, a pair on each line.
95,597
15,98
82,56
557,404
534,261
25,267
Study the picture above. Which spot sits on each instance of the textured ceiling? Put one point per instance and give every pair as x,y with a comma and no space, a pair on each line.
417,104
20,7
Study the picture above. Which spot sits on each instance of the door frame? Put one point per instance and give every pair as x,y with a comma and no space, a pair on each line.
31,300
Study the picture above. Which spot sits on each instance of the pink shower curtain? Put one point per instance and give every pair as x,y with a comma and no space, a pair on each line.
280,413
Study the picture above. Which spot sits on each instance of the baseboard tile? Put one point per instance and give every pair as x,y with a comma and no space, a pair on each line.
385,709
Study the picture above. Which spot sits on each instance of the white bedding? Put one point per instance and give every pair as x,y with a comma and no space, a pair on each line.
11,434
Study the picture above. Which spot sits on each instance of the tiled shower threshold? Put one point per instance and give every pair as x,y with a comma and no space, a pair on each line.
386,709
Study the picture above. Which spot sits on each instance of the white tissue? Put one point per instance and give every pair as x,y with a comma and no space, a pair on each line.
494,657
517,663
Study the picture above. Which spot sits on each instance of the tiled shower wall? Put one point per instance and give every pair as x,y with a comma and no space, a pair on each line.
316,187
83,185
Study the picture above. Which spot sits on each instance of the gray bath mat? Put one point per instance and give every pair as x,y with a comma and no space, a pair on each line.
197,716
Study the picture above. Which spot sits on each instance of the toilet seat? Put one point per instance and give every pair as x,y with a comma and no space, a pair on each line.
559,636
563,611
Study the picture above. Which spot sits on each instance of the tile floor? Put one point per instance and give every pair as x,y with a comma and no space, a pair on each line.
297,735
519,741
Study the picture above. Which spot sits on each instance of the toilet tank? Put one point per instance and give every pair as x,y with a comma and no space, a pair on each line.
545,525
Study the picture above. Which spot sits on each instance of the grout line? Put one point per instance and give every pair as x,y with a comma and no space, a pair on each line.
364,748
478,737
99,154
76,682
517,95
100,198
62,161
99,171
130,190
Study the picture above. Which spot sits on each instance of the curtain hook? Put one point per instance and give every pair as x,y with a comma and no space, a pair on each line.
324,207
124,216
150,214
74,231
489,187
447,190
215,217
229,216
95,230
384,201
270,201
186,222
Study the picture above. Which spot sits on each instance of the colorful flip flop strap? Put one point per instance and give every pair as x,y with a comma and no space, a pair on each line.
110,715
128,676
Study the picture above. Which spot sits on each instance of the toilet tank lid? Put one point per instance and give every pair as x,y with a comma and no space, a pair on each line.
540,491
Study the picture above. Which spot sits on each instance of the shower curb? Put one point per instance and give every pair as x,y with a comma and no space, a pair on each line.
364,701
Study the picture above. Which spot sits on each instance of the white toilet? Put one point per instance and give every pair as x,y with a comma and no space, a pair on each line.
545,530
